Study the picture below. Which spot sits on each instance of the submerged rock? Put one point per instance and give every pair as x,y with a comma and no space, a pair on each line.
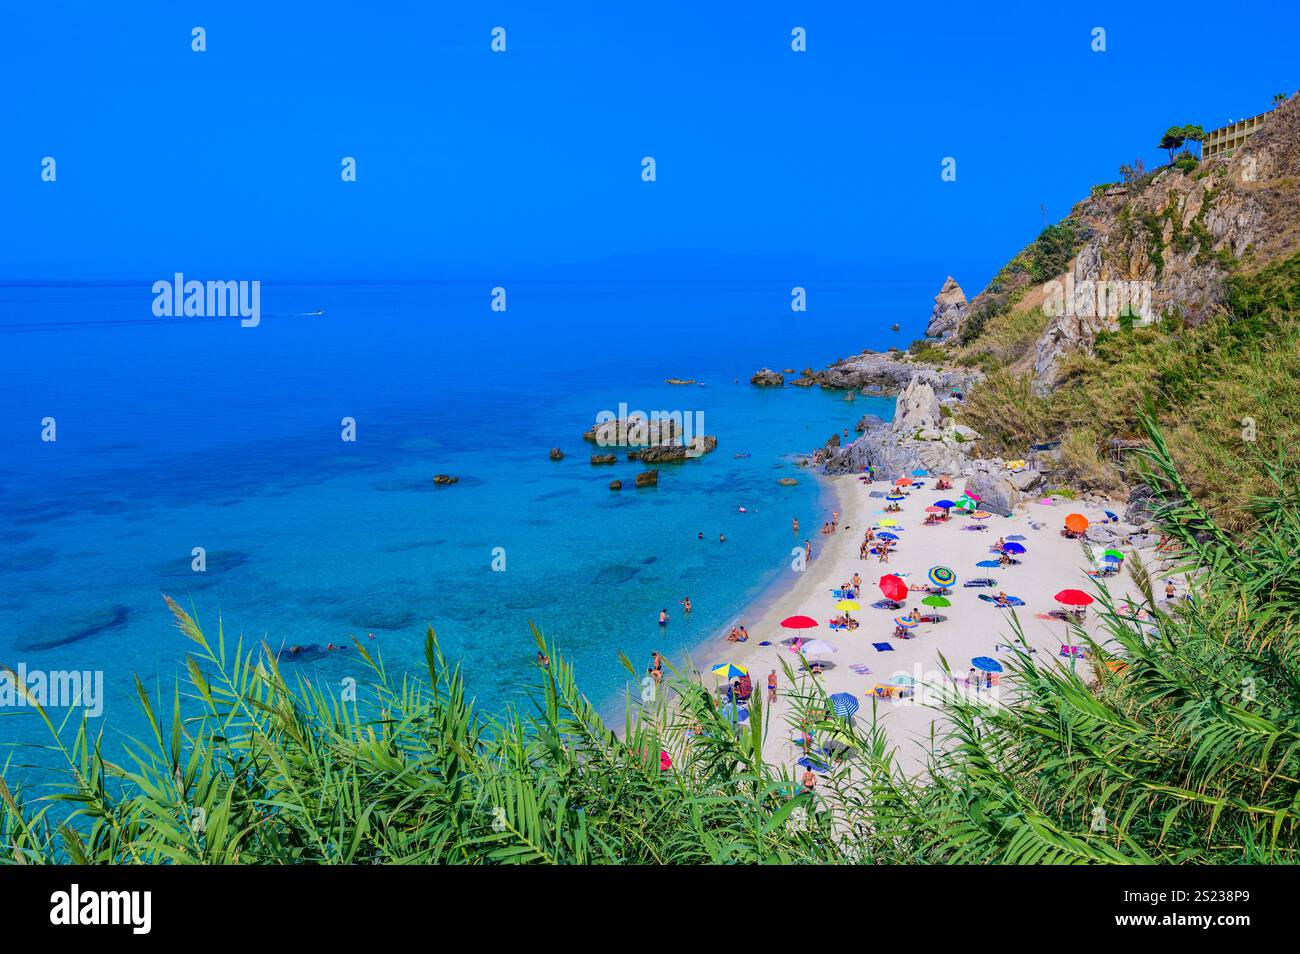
77,628
557,454
444,480
604,459
616,485
648,478
787,481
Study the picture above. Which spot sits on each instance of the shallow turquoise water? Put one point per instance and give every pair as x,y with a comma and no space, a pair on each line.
194,432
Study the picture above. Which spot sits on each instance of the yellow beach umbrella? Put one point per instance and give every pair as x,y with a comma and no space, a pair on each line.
847,605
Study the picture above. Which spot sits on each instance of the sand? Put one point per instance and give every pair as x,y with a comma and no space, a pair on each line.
973,627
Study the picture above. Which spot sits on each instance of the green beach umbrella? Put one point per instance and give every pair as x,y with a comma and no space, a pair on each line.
936,601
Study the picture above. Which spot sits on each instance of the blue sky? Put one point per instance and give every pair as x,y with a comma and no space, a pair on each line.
816,165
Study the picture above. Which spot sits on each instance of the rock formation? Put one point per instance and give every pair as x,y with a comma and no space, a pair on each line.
767,378
950,308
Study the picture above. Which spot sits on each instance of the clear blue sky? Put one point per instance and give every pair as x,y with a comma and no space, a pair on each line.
472,164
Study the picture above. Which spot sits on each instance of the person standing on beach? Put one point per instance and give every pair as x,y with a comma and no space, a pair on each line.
807,551
771,686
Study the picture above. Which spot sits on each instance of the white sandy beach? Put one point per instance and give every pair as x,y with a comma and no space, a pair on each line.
973,627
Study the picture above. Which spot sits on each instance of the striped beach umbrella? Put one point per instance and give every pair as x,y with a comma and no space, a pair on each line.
942,576
844,704
1114,553
729,671
895,497
906,622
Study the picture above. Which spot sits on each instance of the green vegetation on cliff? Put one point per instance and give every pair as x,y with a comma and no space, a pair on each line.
1227,391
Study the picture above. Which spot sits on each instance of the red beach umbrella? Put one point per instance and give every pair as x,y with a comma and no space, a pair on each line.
798,622
893,587
1073,598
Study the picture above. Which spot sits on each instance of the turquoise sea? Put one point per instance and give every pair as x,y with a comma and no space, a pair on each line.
181,433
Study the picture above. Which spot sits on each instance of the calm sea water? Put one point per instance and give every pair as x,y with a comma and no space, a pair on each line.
182,433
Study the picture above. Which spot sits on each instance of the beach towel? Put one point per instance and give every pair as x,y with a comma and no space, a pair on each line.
886,604
1011,600
860,669
883,647
981,581
1018,536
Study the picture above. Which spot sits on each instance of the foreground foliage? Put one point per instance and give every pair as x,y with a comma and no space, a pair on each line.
1185,749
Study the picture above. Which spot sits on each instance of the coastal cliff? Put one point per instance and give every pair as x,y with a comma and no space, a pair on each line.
1175,291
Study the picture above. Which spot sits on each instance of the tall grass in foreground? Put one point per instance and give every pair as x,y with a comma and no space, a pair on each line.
1190,752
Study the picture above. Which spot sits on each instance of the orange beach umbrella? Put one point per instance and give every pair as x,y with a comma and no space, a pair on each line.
1076,522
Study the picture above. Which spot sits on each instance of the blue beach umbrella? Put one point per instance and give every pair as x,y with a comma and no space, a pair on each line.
1013,547
895,497
887,535
729,671
944,504
920,472
1112,559
733,713
844,704
988,563
942,576
986,664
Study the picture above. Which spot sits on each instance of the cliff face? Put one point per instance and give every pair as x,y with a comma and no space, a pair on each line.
950,308
1171,238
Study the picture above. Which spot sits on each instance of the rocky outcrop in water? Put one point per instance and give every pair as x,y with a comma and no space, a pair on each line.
649,478
888,373
445,480
557,454
767,378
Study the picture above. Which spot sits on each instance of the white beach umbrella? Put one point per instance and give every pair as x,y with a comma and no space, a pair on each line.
817,647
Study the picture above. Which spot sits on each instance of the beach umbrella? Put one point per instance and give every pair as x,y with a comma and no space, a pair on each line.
920,472
903,482
729,671
936,601
1073,598
988,563
1114,553
1076,522
847,605
980,515
970,496
1013,547
986,664
1111,558
844,704
944,504
906,622
895,497
893,587
933,509
942,576
901,679
890,522
817,647
798,622
886,535
733,713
